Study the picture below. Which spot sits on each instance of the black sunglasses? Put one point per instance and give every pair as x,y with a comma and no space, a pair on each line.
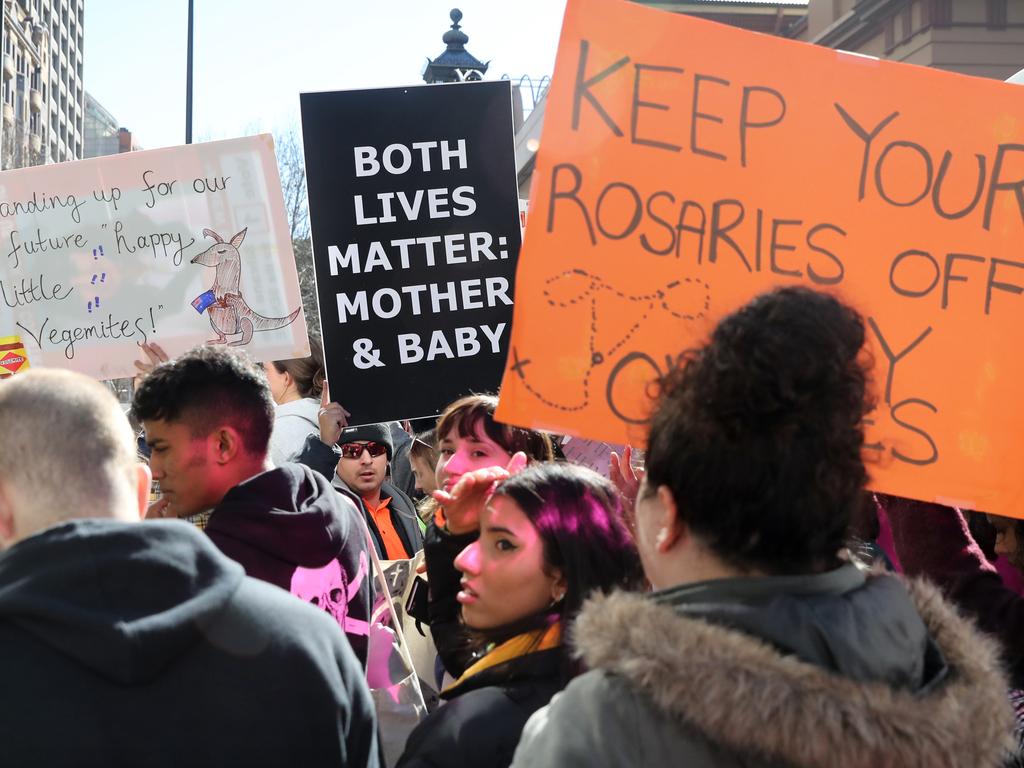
355,450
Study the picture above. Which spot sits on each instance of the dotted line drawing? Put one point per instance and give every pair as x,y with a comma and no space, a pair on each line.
594,288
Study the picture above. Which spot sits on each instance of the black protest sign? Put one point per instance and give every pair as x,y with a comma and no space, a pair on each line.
414,212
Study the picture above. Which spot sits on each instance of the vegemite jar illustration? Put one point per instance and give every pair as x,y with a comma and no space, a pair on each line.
13,357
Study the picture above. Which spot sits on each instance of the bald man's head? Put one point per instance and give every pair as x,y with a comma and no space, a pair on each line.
66,451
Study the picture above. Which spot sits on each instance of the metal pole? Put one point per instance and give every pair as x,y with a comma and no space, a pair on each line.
188,81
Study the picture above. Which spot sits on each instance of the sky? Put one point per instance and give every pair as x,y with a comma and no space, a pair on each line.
253,57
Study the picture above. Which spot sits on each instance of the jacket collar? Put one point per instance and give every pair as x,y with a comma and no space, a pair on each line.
746,696
834,582
507,653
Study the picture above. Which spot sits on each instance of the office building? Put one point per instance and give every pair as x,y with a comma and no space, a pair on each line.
42,92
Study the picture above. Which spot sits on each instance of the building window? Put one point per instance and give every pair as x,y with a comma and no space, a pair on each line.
890,33
942,13
907,21
996,14
19,104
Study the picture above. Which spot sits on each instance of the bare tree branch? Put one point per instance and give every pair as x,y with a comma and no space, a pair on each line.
292,167
307,283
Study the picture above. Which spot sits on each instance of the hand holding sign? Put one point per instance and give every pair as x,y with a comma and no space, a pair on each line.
156,355
332,417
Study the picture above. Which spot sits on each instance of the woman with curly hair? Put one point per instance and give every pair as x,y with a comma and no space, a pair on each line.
762,644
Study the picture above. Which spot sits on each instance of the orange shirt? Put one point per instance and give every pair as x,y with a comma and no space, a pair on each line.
394,549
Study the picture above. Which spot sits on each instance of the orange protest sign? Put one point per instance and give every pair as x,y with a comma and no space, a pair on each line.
686,167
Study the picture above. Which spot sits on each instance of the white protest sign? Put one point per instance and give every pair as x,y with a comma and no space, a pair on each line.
178,246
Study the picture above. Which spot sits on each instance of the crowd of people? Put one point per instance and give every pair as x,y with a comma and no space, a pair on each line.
741,601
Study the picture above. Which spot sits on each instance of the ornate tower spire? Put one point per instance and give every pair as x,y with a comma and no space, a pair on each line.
456,64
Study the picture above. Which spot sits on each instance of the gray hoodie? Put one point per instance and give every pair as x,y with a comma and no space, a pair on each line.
293,423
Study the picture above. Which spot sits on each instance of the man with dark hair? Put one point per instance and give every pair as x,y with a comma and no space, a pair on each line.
208,417
142,644
360,468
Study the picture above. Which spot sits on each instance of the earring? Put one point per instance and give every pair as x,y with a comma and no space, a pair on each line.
661,537
557,599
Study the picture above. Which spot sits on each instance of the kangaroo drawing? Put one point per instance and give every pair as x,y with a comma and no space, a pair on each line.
230,314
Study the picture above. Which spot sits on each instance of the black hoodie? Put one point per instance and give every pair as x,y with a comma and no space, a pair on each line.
141,645
289,527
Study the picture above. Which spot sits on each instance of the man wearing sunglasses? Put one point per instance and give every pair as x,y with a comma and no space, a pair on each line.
362,470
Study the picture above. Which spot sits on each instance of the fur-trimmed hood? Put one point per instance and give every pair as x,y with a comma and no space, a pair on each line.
746,696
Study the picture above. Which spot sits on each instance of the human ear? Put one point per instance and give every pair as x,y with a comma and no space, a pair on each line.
227,444
559,586
670,527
